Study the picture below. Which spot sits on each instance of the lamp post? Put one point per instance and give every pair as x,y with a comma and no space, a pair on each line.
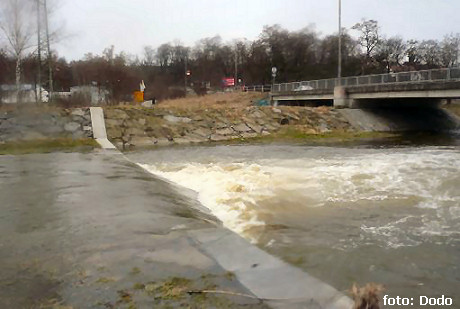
39,56
50,69
339,66
236,66
186,75
274,70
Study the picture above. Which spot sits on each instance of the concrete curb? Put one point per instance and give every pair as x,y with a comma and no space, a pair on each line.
266,276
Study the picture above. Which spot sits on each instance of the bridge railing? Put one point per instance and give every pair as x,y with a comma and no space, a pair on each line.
257,88
446,74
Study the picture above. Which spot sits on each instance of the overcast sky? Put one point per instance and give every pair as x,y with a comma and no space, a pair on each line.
129,25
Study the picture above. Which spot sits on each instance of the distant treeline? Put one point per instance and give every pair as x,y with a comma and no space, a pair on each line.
298,55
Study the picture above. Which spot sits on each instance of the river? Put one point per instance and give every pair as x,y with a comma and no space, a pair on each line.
385,212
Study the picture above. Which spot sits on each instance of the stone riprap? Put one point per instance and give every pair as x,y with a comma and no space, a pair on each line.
33,124
140,127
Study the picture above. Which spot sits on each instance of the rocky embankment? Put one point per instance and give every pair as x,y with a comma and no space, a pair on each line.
140,127
35,124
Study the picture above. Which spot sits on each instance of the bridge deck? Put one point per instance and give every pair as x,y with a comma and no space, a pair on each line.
414,87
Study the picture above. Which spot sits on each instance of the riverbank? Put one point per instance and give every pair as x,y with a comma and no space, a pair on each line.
230,118
48,145
133,127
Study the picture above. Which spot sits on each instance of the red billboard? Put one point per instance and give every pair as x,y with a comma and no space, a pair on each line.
228,82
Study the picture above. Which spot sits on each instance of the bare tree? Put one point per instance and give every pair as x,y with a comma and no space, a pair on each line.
430,53
450,48
17,27
390,52
369,35
149,55
412,52
164,54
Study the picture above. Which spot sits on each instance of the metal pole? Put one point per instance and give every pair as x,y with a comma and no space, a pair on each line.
185,77
50,69
39,51
236,65
339,68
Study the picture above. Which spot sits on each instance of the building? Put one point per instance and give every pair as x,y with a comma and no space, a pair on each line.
90,94
27,93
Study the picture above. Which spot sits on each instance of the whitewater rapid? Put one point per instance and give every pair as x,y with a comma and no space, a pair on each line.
244,193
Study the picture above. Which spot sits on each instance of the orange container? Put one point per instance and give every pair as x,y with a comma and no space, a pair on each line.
139,96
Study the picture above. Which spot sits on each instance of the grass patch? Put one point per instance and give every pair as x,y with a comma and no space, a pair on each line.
295,134
180,292
48,145
135,271
105,280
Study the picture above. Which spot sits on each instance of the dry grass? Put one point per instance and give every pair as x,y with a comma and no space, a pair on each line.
366,297
28,108
214,101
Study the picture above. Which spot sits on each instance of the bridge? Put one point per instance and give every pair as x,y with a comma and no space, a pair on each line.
427,87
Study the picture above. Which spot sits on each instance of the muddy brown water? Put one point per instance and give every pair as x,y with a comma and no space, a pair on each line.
385,211
73,227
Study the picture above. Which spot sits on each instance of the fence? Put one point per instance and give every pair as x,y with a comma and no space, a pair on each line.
448,74
257,88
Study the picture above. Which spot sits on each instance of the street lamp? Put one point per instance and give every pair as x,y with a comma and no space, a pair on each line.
186,74
339,68
274,70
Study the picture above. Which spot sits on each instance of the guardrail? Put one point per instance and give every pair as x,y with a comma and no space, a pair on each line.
257,88
447,74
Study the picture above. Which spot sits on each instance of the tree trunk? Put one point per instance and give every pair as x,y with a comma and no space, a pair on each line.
18,76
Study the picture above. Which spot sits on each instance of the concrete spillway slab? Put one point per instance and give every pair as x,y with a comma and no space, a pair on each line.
99,132
266,276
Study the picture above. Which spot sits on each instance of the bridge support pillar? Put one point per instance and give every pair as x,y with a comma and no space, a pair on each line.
341,98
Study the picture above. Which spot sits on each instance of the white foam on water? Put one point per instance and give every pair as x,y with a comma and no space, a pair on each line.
235,191
228,190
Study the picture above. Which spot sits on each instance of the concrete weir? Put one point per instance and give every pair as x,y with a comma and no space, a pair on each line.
279,284
267,277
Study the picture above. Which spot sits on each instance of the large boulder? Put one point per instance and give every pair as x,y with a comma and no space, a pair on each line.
217,138
78,112
174,119
242,127
72,126
225,131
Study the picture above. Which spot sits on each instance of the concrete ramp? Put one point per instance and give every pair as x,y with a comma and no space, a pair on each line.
267,277
99,132
362,120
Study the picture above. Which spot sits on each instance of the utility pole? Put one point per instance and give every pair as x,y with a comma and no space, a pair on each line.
185,77
236,65
39,51
339,68
50,69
